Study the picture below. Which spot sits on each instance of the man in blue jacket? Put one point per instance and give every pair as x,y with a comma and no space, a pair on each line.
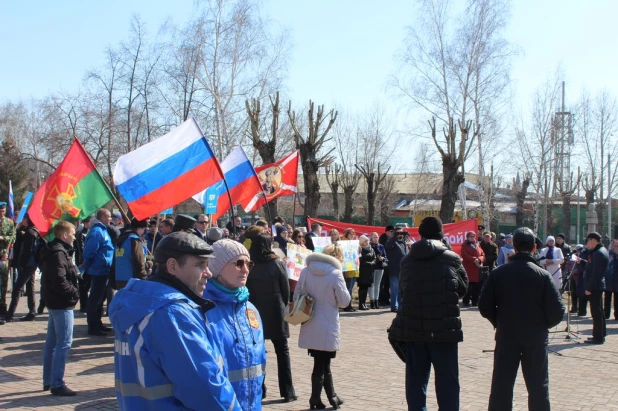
164,356
98,258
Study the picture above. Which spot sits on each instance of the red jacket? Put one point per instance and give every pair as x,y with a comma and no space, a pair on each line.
469,254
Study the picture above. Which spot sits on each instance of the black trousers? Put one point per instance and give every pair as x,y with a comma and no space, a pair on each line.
385,292
474,291
284,368
583,305
598,315
25,277
607,306
534,366
84,288
573,295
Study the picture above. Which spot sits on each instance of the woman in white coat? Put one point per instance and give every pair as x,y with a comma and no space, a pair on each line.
550,259
323,280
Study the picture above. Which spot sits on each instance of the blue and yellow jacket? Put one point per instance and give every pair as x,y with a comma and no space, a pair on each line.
129,260
165,357
237,327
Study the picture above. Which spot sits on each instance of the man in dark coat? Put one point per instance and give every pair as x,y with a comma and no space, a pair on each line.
594,279
521,301
27,263
384,299
316,231
396,249
432,279
491,251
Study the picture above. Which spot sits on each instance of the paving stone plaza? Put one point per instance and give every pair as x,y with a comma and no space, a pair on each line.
367,373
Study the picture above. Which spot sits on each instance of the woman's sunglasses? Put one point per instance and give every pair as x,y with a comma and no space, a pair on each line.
240,263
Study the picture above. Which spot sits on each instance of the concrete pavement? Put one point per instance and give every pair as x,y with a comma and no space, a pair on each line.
367,374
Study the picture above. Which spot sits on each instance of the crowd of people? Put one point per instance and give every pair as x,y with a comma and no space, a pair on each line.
192,306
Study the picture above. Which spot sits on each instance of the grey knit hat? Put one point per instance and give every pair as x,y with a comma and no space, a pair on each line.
224,251
214,234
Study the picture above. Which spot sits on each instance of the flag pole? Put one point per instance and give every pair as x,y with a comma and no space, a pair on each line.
294,211
270,217
154,239
227,189
124,214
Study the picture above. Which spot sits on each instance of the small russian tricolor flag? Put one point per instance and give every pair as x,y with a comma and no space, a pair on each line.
242,181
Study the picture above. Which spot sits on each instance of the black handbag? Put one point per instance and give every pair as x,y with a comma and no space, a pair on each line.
483,273
398,346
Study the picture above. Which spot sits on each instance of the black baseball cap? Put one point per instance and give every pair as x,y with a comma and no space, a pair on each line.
523,238
183,222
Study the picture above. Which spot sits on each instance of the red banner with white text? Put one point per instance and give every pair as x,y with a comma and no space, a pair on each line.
455,233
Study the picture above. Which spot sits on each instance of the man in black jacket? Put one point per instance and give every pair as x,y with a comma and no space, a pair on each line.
594,280
396,248
431,280
59,287
385,284
491,251
26,267
522,302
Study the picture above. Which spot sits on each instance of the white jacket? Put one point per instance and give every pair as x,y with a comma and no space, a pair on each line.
554,266
323,280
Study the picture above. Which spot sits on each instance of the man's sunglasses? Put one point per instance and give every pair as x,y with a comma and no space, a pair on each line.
240,263
202,222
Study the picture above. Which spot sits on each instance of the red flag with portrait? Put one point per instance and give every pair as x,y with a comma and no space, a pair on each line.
277,179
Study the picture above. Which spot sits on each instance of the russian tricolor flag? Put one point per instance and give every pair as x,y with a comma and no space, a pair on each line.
11,208
167,171
242,181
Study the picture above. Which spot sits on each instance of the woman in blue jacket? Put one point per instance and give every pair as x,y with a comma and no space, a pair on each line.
236,323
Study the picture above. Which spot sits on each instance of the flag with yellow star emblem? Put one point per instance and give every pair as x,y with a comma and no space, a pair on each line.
75,190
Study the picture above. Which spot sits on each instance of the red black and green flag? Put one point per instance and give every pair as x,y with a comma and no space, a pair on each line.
74,190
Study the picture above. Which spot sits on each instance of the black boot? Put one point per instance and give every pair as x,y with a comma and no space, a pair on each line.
315,402
361,299
333,398
349,308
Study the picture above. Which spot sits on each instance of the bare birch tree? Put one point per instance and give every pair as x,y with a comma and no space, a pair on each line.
239,59
347,142
374,161
454,67
537,147
597,124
